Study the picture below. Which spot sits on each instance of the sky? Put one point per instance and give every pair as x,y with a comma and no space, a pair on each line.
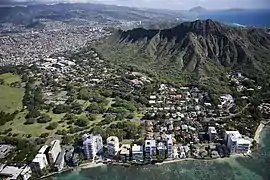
179,4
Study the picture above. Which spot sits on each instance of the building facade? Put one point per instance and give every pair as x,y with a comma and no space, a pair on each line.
92,145
150,149
54,152
112,146
125,152
161,150
169,143
137,153
236,143
60,161
212,132
40,161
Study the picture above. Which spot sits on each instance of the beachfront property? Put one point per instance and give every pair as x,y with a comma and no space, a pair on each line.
137,153
40,161
112,146
236,143
125,152
60,161
169,145
54,151
92,145
15,172
161,150
150,149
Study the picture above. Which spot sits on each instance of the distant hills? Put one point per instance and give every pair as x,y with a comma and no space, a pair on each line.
198,52
198,9
28,13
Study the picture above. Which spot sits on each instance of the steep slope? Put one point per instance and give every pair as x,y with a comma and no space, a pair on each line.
201,49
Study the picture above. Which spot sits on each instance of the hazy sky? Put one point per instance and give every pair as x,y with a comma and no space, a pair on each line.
180,4
187,4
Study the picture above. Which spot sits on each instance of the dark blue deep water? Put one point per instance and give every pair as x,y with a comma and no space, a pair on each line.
257,168
257,18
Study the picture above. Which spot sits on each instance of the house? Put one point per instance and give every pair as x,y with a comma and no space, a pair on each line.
212,132
125,152
153,97
5,149
137,153
112,146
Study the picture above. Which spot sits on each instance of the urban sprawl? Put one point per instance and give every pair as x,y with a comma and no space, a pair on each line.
172,123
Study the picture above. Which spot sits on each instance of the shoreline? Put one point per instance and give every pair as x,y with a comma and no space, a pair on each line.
90,165
258,132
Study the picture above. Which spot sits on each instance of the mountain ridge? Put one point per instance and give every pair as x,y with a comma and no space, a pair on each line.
202,49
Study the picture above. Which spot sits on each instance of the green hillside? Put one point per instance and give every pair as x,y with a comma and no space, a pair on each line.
199,52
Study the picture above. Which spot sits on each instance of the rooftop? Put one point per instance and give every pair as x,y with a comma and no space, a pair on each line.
235,134
113,139
137,148
151,143
53,143
125,148
243,141
11,171
43,149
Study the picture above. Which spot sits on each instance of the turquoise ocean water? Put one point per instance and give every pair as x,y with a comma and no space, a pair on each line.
257,168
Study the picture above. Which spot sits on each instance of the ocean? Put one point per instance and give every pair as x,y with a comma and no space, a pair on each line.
235,168
256,18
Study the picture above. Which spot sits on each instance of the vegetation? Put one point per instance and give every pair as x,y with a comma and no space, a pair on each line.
183,58
52,126
10,98
9,79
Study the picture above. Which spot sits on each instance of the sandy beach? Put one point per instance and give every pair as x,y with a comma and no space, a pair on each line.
258,132
90,165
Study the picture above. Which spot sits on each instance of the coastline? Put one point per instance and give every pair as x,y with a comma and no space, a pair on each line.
259,132
90,165
78,168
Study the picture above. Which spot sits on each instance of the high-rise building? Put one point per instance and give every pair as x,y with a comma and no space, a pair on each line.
40,161
169,144
60,161
236,143
161,150
92,145
112,145
54,151
150,149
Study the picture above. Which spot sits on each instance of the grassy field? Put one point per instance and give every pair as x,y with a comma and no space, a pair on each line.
18,126
10,78
10,98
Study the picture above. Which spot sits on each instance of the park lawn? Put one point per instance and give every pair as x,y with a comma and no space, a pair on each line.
10,98
10,78
36,129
